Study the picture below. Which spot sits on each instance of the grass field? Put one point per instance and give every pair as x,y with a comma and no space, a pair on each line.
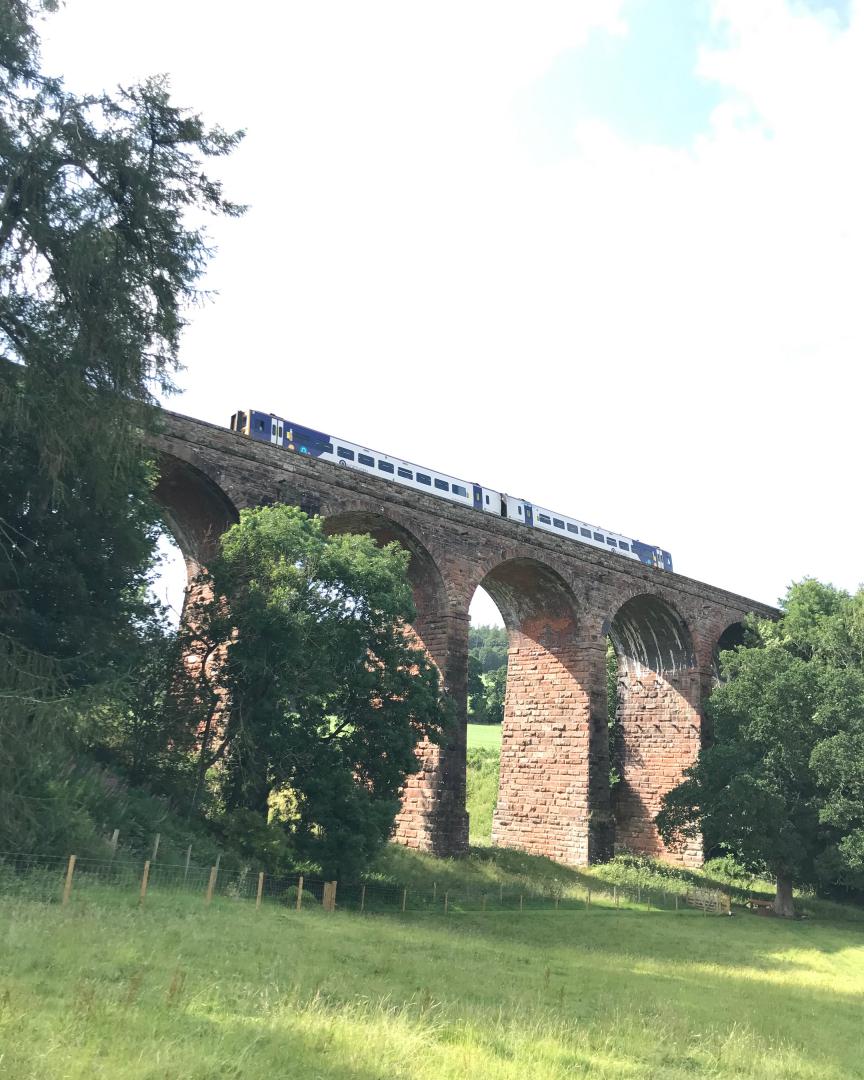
179,991
484,737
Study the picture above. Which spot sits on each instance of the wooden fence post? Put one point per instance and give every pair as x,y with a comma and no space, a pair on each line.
615,895
434,891
446,896
211,884
520,901
155,847
186,868
676,901
404,898
299,892
145,877
588,898
362,898
115,836
260,889
67,886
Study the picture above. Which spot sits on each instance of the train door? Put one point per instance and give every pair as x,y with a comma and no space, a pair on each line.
478,497
529,514
275,431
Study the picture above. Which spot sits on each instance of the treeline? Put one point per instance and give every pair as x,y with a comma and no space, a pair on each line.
487,674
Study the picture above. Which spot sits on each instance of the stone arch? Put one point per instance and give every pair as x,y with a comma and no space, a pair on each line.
732,636
543,794
658,718
195,509
433,816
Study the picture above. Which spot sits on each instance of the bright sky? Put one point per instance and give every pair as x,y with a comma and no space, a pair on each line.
603,255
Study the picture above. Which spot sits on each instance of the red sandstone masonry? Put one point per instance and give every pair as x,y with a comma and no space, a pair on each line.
554,796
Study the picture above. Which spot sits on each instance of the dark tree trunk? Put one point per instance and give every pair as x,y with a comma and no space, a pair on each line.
783,904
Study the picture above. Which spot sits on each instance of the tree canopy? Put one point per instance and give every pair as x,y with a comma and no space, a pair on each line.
323,693
781,785
98,262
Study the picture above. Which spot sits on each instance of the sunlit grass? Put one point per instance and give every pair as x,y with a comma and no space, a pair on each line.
484,737
177,989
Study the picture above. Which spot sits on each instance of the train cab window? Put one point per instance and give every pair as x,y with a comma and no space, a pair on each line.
611,541
344,452
519,510
459,490
487,500
572,528
600,537
585,532
546,520
260,425
442,485
422,478
365,459
406,474
558,523
623,546
385,466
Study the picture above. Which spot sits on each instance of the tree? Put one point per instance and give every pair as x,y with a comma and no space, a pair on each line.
97,264
325,693
780,785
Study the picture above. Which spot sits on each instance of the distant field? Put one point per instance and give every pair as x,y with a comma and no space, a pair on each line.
484,736
178,991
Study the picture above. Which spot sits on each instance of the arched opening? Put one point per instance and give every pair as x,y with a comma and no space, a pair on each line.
657,729
196,513
169,578
543,803
433,816
488,647
733,636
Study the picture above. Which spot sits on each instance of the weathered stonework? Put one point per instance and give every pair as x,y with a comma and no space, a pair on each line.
558,598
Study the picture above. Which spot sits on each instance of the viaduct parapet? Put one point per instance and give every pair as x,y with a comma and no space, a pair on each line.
560,601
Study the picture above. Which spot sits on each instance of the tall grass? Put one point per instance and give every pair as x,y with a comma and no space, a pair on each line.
178,990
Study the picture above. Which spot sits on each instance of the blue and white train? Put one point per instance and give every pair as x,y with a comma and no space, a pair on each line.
269,428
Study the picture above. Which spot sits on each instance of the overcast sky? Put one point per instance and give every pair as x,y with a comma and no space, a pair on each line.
604,255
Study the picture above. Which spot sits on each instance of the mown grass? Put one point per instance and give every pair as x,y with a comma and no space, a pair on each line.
178,990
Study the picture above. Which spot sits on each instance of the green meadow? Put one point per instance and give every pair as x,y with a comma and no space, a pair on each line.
177,990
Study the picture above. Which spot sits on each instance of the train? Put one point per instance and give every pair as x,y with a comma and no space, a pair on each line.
273,429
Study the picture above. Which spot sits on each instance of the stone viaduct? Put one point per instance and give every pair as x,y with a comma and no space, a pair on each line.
559,599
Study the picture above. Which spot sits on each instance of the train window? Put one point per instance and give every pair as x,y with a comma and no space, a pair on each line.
623,546
344,452
572,528
544,519
365,459
459,490
442,485
611,541
558,523
599,536
406,474
260,425
487,500
585,532
328,448
519,510
422,478
273,432
385,466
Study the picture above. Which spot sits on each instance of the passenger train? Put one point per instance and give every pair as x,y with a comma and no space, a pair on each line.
269,428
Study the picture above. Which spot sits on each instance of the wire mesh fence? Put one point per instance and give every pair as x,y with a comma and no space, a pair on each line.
61,879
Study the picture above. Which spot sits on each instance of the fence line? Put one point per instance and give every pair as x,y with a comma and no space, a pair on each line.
62,878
